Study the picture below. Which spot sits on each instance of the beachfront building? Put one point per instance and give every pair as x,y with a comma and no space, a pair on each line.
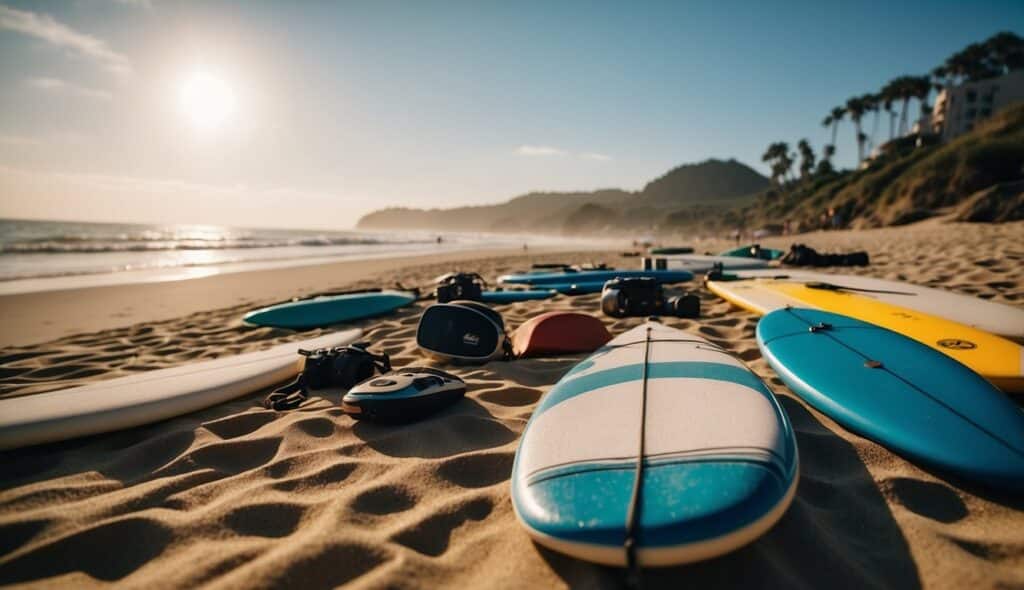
958,108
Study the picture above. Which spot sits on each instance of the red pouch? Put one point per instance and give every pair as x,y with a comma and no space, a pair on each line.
559,332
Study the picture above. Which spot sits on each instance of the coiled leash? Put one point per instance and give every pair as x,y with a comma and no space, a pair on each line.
341,367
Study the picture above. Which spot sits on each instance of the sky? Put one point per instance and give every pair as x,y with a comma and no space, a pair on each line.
311,114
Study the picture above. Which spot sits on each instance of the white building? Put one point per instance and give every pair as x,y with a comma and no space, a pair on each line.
957,109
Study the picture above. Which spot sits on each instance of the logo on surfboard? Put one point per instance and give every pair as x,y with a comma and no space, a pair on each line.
957,344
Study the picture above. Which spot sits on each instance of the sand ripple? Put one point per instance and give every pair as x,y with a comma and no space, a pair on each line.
240,496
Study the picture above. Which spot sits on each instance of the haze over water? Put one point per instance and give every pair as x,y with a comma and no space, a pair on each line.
41,249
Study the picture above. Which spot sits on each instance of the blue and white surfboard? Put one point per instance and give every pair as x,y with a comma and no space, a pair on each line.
719,457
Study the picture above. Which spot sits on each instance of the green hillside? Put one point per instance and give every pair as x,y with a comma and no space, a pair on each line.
912,183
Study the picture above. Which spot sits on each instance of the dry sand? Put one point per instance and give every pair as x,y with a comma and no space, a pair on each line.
238,496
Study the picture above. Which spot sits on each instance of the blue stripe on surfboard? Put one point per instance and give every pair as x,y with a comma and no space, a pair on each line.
570,388
681,502
768,457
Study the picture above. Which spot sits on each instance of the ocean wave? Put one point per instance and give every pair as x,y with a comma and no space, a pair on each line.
68,245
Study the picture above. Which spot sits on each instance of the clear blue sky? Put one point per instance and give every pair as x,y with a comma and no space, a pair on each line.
312,113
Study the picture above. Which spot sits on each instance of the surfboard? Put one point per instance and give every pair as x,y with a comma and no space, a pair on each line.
325,311
990,316
898,392
576,288
512,296
672,250
148,397
701,263
997,359
750,252
719,456
593,276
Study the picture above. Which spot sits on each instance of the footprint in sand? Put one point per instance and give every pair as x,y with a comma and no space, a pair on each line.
478,470
432,535
385,499
278,519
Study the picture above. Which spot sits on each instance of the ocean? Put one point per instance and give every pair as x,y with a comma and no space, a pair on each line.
111,253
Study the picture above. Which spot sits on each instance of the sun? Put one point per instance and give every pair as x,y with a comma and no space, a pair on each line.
206,100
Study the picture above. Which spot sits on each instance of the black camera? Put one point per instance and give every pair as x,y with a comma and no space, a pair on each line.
459,286
343,366
644,296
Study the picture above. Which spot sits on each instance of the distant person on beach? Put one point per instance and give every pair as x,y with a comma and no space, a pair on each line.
440,239
836,219
823,220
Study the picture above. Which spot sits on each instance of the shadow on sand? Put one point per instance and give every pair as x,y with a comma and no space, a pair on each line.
838,533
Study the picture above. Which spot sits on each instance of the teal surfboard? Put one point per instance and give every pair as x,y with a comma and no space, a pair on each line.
593,276
906,396
325,311
719,459
576,288
512,296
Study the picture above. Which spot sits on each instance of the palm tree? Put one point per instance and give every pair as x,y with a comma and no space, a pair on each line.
902,88
771,156
941,78
872,104
855,108
1006,51
806,158
827,152
837,115
778,156
970,63
999,54
786,160
891,93
887,105
832,120
920,87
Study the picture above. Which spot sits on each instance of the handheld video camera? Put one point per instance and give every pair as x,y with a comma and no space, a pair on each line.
644,296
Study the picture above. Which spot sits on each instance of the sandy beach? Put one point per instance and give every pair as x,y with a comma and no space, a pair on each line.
239,496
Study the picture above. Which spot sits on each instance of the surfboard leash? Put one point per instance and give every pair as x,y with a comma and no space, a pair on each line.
833,287
633,576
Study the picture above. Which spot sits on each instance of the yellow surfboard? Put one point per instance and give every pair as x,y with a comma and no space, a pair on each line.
999,360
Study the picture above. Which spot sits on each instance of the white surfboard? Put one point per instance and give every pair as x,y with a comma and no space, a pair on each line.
148,397
996,318
701,263
719,456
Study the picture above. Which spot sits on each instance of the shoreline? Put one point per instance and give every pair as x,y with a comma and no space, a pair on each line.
40,316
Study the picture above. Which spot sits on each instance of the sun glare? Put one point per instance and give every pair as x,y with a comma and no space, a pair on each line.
206,100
